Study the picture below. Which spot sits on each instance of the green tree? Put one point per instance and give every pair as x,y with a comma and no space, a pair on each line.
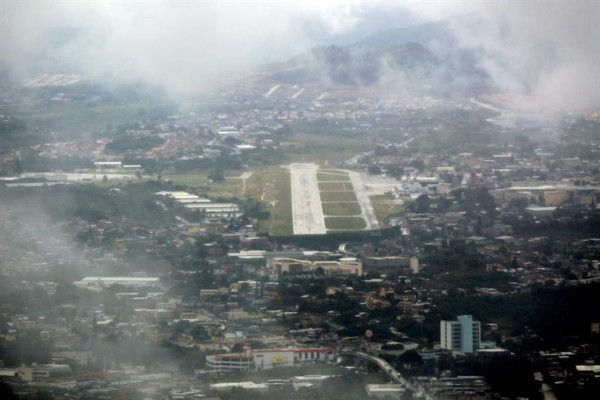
374,169
410,356
198,332
422,204
217,175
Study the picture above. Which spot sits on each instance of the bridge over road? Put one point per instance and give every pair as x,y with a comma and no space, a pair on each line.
390,371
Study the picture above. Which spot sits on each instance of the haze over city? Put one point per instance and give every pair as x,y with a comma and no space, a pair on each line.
303,199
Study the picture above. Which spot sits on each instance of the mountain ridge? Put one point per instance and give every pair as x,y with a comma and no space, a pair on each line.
423,59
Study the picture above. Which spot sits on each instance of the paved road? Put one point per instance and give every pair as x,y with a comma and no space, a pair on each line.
548,392
381,363
368,213
272,90
391,372
307,212
485,105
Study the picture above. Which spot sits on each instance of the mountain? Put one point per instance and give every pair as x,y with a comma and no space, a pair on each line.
423,59
442,32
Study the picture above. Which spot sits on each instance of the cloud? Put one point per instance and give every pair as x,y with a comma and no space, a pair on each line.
186,45
541,47
545,48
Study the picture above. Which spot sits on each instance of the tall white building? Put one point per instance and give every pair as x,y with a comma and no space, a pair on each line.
463,334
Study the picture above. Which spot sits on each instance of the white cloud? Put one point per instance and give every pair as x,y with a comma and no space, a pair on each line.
187,45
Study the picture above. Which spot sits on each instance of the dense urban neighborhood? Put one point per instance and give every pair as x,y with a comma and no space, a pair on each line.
202,254
376,220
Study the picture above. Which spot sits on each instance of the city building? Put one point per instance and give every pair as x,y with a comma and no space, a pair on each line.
459,387
462,334
386,391
66,357
98,283
107,164
260,359
345,266
229,386
217,210
391,264
40,372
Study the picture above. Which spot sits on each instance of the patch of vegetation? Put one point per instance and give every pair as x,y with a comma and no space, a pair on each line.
71,119
328,177
92,203
14,133
446,129
228,188
345,223
310,146
339,209
336,186
285,373
338,196
576,137
273,187
333,171
281,219
121,144
382,198
384,206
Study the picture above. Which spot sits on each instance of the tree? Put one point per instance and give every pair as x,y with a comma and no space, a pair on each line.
374,169
217,175
421,204
121,144
199,333
410,356
231,141
6,392
417,164
410,326
510,376
396,171
254,209
43,395
179,327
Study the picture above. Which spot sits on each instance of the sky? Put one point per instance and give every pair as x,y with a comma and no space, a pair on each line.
189,45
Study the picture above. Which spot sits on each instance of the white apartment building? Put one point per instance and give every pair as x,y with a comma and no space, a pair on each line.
462,334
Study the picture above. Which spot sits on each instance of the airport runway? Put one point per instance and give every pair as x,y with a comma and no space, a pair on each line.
307,212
